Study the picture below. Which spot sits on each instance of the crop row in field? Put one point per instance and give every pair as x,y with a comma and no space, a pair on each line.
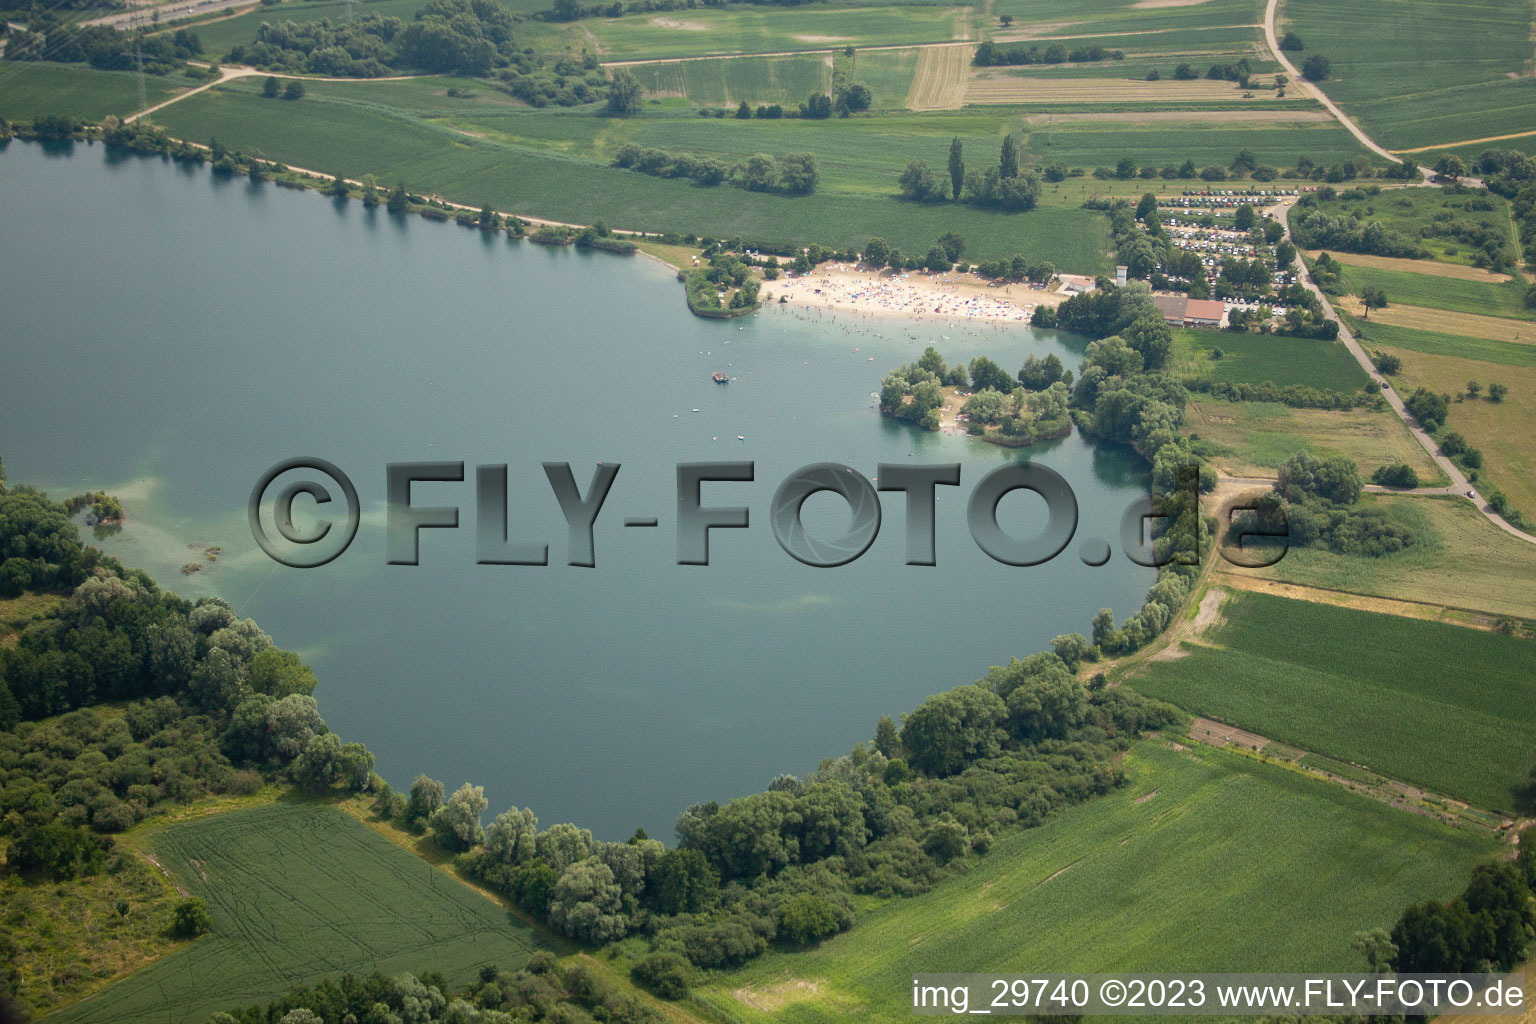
1442,706
1427,73
1204,860
1260,436
298,892
1009,86
1255,358
758,80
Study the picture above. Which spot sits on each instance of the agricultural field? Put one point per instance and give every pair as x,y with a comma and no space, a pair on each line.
29,90
1446,323
1377,333
1121,883
1460,560
1368,688
301,891
1259,436
1503,430
1479,298
1255,358
1430,73
1046,19
783,80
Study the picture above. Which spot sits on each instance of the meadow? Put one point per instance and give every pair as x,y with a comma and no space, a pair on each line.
1259,436
299,891
1204,860
1368,688
1428,73
1460,561
1423,213
29,90
783,80
1503,430
1255,358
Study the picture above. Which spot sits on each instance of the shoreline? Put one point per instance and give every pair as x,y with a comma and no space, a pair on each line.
912,294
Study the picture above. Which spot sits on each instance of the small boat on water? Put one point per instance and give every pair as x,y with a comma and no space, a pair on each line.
721,378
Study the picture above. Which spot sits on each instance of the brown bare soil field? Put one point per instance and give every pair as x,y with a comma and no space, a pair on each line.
1430,267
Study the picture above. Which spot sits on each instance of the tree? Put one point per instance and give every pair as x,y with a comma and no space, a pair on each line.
562,845
398,199
316,768
456,824
280,673
1315,68
817,107
1473,389
1497,391
1145,205
587,903
510,838
426,797
853,98
294,90
667,974
1243,218
624,94
1372,297
798,174
758,173
1292,41
1451,167
1431,409
1008,160
949,730
1005,20
806,917
919,183
190,919
887,741
744,112
954,247
956,170
1333,478
877,252
271,87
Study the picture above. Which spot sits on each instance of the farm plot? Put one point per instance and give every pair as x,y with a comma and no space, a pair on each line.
1437,705
1460,560
728,81
33,89
939,82
1422,318
1001,85
298,892
1429,73
1376,333
1459,295
1203,860
704,31
1260,436
1434,268
1255,358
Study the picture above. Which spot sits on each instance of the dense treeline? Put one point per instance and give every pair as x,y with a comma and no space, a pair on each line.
1297,396
990,54
540,990
52,38
469,37
1513,175
794,174
1312,504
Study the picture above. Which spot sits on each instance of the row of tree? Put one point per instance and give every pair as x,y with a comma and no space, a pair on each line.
1005,186
794,174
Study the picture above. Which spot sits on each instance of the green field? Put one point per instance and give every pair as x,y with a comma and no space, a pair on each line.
300,892
703,30
1114,16
1461,560
1483,350
1205,860
33,89
1424,213
783,80
1255,358
1259,436
1425,73
1441,706
1483,297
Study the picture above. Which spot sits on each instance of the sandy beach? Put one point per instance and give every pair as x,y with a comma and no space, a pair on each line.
911,293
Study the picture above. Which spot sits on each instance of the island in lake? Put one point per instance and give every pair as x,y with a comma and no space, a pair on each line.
991,404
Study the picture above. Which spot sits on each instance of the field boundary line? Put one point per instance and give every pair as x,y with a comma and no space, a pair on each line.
1466,142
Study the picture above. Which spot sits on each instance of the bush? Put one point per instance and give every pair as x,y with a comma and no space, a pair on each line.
668,975
190,919
1400,475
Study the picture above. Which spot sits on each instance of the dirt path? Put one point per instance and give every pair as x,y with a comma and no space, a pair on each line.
1468,142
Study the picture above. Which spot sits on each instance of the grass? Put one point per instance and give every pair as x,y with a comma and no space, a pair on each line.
1505,430
16,612
299,891
1255,358
1485,298
1482,350
72,940
1461,561
1260,436
1413,211
783,80
1203,861
35,89
1368,688
699,31
1427,73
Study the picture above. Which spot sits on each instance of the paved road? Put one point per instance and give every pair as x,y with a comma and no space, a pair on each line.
167,12
1459,482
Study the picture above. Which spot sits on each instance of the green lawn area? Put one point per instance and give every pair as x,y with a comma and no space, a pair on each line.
1509,353
32,89
1424,73
1255,358
1204,860
1259,436
1460,560
1442,706
299,892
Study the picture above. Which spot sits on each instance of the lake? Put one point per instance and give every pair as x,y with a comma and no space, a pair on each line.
172,334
